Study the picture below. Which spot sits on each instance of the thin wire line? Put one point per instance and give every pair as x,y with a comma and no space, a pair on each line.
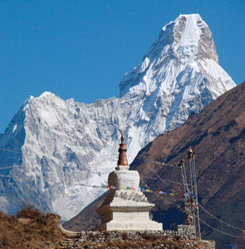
162,164
158,179
220,219
158,176
4,175
9,167
220,230
13,151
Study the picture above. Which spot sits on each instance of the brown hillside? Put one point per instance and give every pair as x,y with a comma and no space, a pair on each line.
218,136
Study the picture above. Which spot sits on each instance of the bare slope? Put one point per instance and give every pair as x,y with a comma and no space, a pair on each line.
218,136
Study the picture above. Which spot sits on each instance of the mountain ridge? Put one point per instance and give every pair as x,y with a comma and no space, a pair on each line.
64,142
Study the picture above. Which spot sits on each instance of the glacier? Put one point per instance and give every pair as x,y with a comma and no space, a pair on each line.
51,144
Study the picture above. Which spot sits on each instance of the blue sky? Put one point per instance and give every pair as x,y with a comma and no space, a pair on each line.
82,49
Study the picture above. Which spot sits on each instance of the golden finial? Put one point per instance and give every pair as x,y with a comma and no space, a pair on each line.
122,138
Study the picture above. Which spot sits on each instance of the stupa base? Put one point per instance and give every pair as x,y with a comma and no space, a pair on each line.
129,226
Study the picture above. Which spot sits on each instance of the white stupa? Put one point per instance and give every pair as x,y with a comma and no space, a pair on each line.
125,209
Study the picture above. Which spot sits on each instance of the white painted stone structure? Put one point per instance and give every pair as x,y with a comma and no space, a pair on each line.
125,209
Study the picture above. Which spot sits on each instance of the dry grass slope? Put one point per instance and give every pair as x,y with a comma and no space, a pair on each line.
30,229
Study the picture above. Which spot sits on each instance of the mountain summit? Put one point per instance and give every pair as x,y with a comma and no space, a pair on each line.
184,41
179,70
59,143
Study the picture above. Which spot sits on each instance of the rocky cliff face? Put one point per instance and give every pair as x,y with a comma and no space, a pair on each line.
57,143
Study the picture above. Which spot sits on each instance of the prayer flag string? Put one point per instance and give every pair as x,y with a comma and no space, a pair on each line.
132,188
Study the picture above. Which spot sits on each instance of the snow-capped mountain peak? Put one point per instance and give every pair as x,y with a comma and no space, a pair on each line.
64,142
184,41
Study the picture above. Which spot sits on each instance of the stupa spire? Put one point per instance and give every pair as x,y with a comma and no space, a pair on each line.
122,157
122,138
